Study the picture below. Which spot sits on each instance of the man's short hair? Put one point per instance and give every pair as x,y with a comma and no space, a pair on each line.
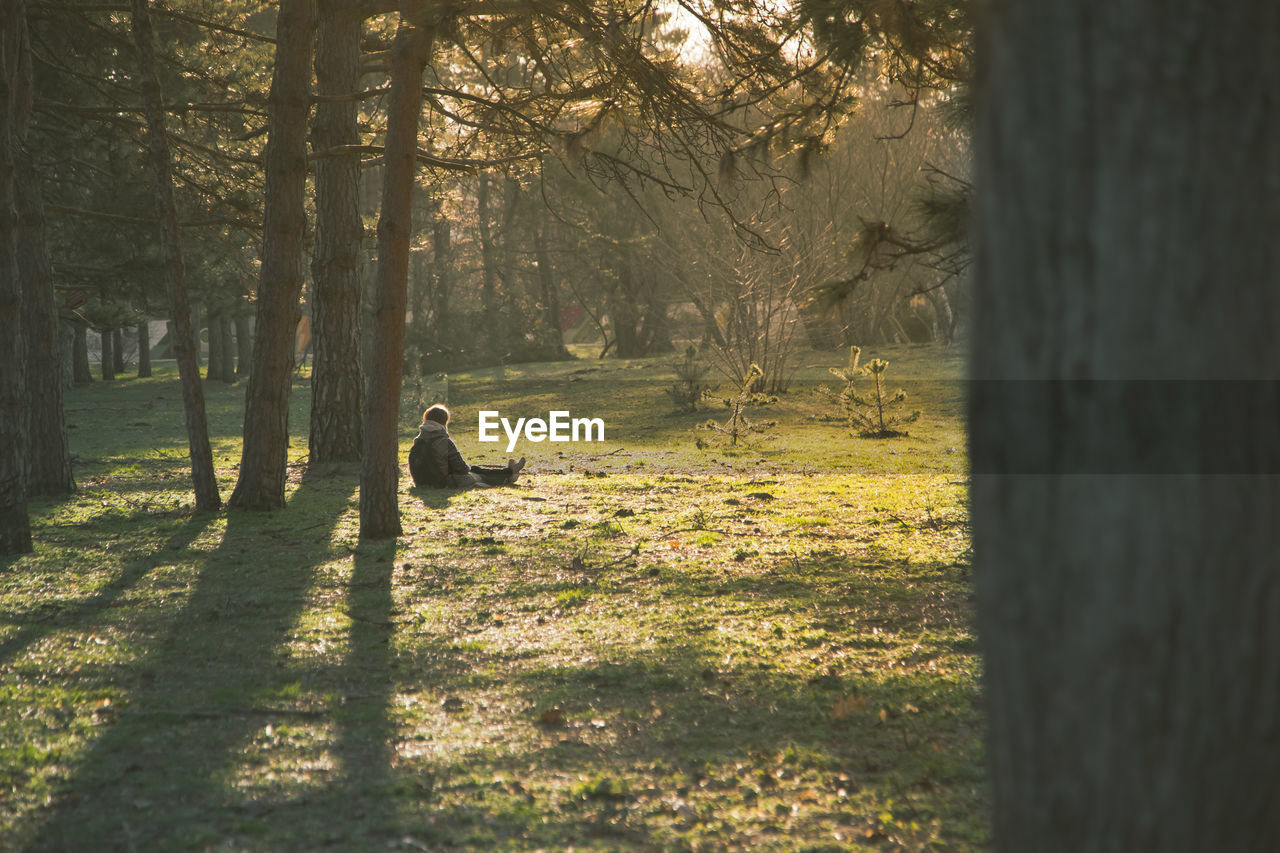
437,413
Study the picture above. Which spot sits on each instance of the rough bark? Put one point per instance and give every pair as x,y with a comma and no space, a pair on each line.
1124,423
380,466
203,477
15,525
264,458
48,456
337,381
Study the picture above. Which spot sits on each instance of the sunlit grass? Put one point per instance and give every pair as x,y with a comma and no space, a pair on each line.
644,645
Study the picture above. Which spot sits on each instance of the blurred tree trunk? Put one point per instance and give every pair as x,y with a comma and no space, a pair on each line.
380,468
549,296
80,370
513,321
244,341
117,350
213,370
337,381
107,355
228,348
264,458
1124,411
490,334
48,457
203,477
67,350
442,280
15,524
144,349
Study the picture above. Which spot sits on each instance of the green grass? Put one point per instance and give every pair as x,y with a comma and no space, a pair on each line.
642,646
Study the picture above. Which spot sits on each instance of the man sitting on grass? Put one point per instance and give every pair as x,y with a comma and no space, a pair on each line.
434,459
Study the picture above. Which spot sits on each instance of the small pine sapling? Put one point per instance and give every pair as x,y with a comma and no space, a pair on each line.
872,414
688,388
738,426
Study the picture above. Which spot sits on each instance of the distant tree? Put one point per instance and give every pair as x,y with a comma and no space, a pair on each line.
1124,411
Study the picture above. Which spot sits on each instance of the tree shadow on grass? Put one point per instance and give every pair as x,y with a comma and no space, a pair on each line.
170,772
79,616
604,743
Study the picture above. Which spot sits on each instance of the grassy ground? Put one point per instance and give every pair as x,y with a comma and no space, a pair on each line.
642,646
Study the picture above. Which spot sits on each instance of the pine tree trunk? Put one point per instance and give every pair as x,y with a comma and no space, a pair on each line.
117,350
213,370
203,477
1126,484
493,343
442,280
244,344
266,418
380,466
80,355
228,370
337,381
67,351
48,457
550,296
15,525
107,355
144,349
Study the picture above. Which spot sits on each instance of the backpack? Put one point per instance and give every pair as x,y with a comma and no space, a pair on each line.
424,466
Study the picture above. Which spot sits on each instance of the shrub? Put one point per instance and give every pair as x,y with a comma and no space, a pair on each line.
688,388
737,426
872,415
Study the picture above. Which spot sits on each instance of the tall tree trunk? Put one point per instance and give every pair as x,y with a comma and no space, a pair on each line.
144,349
489,270
1126,484
380,468
549,296
228,370
107,355
48,457
80,355
196,328
512,318
337,381
15,524
213,370
117,350
67,350
203,477
442,279
244,343
264,458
